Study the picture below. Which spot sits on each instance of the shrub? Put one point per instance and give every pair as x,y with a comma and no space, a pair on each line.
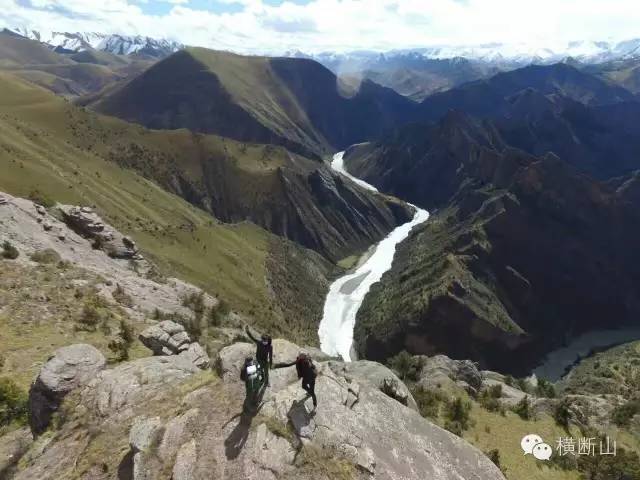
494,456
458,415
429,401
122,297
40,198
9,251
562,413
121,345
510,381
625,465
523,385
89,318
523,408
218,313
623,414
46,256
545,389
195,302
13,403
489,399
406,366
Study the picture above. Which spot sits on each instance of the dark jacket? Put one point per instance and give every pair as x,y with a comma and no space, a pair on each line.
264,351
304,366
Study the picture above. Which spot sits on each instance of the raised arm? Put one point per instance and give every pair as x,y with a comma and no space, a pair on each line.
284,365
246,327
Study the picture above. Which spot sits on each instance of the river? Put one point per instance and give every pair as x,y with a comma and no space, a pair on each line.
347,293
556,363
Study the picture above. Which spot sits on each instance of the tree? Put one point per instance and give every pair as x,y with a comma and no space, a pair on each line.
523,408
120,346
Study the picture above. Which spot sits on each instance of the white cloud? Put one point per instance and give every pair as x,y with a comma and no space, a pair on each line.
342,24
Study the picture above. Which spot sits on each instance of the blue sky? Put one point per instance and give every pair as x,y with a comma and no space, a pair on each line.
275,26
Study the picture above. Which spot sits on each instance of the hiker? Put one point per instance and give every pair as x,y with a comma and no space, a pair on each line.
264,353
252,375
307,372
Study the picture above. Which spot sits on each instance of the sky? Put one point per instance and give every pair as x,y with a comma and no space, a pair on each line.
312,26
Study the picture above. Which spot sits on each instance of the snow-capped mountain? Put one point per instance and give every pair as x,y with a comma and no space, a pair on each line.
496,54
112,43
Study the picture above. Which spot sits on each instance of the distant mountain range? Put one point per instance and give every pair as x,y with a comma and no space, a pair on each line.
499,54
67,42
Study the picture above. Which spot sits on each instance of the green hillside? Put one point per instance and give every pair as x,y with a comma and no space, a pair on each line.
296,103
64,153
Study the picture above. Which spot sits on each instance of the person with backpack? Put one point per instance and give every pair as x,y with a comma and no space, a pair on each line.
307,372
264,353
253,377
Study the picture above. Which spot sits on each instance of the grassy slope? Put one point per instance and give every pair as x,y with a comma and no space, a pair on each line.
18,51
49,145
41,313
255,86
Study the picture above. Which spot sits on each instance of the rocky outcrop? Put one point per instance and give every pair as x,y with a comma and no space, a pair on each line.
171,338
21,223
172,417
69,368
441,371
85,222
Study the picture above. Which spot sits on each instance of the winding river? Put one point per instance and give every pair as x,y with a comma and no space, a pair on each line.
347,293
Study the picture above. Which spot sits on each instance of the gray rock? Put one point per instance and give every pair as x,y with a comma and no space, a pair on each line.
468,372
86,223
389,439
164,336
186,461
178,431
231,359
69,368
12,446
375,375
197,355
442,372
133,383
144,433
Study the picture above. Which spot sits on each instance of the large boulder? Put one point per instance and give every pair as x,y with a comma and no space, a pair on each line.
171,338
116,390
442,372
88,224
376,375
358,422
69,368
165,338
195,428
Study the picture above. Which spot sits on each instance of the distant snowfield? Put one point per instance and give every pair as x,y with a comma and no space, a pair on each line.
347,293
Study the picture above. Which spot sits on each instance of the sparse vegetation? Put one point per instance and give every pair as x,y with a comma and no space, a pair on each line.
48,256
41,198
121,345
429,401
623,414
458,416
406,366
562,413
9,251
13,403
489,399
523,408
494,456
545,389
122,297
